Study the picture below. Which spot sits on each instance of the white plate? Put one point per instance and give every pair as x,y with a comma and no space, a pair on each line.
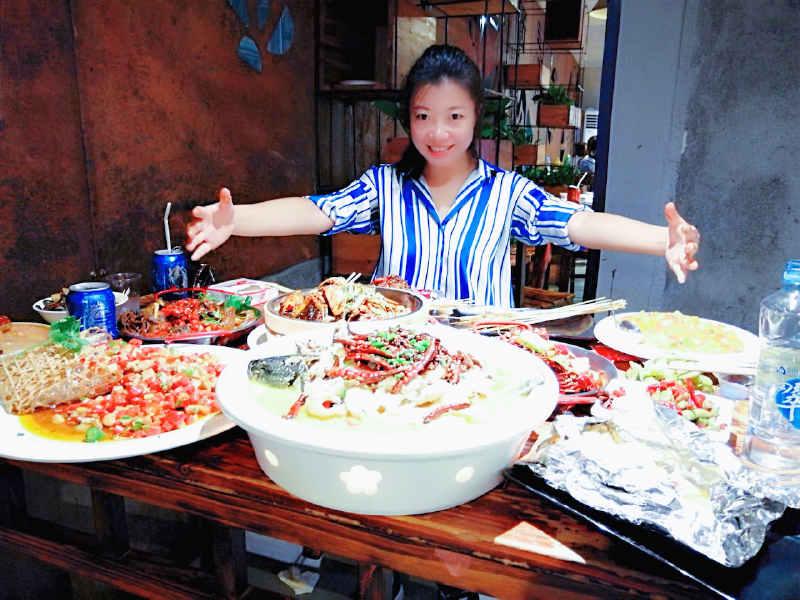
18,443
630,343
632,387
259,335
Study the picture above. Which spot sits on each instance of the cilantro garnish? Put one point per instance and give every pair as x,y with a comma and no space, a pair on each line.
67,333
238,303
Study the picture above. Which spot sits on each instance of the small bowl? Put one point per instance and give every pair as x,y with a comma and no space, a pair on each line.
735,387
51,316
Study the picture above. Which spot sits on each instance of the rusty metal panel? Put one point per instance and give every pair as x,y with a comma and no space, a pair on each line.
172,112
45,229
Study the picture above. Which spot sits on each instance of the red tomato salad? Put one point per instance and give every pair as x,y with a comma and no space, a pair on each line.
160,390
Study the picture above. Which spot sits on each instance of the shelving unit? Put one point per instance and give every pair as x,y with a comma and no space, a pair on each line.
352,132
469,8
533,63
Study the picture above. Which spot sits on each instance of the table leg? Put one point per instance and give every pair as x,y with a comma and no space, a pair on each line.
12,496
518,275
110,523
371,583
229,555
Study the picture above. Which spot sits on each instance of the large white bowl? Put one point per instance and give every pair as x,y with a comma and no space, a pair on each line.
282,325
389,474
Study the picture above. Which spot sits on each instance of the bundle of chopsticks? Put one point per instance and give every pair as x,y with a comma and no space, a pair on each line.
532,316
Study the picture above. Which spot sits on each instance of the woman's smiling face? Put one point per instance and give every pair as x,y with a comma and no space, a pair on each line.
442,122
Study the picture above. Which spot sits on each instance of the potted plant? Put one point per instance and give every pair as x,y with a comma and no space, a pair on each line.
555,180
497,135
556,109
530,152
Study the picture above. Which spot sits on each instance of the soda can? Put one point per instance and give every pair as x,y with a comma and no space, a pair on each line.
168,269
93,304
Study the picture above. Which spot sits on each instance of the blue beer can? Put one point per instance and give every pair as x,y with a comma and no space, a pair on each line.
168,269
93,304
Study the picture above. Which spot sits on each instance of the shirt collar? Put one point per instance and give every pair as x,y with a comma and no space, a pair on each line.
484,171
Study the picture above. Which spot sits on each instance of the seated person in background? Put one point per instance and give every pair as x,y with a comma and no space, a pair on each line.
586,164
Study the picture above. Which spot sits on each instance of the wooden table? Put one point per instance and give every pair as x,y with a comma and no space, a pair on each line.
219,480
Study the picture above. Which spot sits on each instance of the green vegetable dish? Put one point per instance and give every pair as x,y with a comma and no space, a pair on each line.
684,391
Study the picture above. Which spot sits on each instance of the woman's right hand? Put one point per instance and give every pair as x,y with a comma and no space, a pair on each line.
212,225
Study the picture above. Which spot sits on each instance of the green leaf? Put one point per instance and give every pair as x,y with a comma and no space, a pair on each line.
554,95
67,332
238,303
389,108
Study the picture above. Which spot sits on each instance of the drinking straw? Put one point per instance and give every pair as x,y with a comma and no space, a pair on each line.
581,179
166,225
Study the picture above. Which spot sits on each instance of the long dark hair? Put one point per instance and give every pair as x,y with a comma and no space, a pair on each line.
437,64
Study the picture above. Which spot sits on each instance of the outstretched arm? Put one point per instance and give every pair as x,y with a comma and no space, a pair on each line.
213,225
678,242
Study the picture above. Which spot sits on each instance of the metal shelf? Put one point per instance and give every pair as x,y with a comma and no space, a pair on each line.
360,94
468,8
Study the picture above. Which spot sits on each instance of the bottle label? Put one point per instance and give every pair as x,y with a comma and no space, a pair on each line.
787,399
787,372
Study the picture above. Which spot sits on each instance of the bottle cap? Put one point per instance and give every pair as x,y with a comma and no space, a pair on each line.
792,272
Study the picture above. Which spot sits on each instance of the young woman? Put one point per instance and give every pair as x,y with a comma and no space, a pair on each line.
445,216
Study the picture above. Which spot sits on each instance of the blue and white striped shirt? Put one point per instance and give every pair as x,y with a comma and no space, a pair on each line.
465,254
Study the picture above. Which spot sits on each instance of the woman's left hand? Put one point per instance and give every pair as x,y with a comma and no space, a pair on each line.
684,242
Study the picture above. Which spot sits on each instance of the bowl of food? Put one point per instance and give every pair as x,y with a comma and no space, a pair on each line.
403,420
195,320
335,301
53,308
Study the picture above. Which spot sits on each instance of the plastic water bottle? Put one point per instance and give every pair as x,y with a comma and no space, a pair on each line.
773,432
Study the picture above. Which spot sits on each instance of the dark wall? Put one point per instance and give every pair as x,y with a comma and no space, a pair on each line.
112,109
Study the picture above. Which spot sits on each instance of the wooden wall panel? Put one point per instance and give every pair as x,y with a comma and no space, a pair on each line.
45,232
171,114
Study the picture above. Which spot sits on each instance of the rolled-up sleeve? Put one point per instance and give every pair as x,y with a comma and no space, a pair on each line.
539,218
354,208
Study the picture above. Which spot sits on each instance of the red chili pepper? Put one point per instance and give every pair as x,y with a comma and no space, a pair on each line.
295,410
368,358
444,409
363,346
454,370
417,367
362,375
